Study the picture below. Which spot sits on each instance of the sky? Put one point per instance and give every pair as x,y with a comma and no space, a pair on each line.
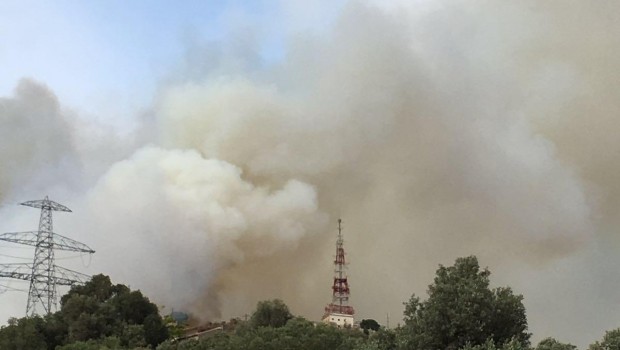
211,146
106,58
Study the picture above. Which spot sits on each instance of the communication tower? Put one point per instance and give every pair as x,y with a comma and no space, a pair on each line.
338,311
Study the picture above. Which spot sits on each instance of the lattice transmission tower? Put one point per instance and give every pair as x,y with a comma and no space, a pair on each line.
339,307
44,275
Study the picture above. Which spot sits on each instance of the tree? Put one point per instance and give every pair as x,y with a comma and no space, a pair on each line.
611,341
512,344
134,307
552,344
270,313
100,309
99,288
369,324
297,333
110,343
385,339
155,330
23,333
461,309
95,315
508,320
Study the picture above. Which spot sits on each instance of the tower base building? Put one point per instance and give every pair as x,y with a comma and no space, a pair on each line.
339,320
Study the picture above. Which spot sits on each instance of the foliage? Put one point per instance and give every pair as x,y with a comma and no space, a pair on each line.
611,341
175,330
23,333
270,313
109,343
512,344
297,333
461,309
95,315
369,324
552,344
461,312
385,339
100,309
155,329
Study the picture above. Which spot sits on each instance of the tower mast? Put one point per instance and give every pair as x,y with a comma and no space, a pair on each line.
338,311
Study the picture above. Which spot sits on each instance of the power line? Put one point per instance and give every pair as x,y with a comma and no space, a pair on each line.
15,257
8,288
12,247
81,256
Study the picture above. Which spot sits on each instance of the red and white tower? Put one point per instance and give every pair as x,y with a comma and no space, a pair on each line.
338,311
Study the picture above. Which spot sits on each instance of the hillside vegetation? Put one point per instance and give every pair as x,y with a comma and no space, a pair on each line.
460,312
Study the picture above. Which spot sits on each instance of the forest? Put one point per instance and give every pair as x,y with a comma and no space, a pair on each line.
461,311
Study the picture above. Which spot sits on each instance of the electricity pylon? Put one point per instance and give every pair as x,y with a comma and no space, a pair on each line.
44,275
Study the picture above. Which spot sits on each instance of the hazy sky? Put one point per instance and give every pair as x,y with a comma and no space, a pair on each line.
212,145
105,58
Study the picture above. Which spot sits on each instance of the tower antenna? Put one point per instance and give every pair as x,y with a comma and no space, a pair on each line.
338,311
44,275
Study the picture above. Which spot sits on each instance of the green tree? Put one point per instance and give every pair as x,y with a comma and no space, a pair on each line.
386,339
155,330
270,313
90,314
133,336
461,309
297,333
175,329
99,288
133,307
55,330
109,343
369,324
100,309
611,341
512,344
552,344
23,333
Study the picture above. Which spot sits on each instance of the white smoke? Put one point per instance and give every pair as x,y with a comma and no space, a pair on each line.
436,130
194,217
35,141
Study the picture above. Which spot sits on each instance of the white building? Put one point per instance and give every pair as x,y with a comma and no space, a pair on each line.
339,320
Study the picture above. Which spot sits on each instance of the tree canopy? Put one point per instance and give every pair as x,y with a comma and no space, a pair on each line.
552,344
297,333
462,309
270,313
92,314
611,341
369,324
462,312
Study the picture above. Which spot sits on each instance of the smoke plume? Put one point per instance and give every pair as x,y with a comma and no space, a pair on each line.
435,131
35,143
